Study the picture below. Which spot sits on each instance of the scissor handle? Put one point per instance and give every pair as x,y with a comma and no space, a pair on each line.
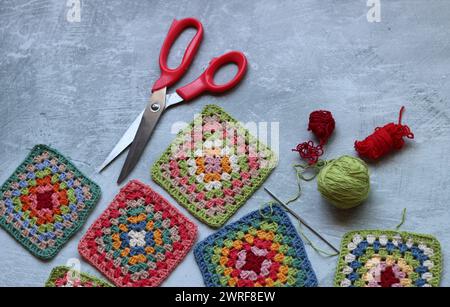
205,83
170,76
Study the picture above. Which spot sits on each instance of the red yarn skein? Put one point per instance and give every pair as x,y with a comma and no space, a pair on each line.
384,139
322,124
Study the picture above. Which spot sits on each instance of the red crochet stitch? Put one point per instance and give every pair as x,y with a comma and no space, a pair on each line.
384,139
44,200
322,124
388,278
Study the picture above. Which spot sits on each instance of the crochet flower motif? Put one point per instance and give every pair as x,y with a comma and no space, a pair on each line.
388,259
261,249
213,166
139,239
45,201
136,238
64,277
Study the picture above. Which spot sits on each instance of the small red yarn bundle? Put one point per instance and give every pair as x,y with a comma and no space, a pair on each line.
384,139
322,124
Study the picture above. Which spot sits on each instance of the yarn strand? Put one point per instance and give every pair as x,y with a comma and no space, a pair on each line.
300,169
300,231
402,220
313,246
322,124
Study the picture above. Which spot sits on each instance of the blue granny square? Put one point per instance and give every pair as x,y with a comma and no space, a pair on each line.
261,249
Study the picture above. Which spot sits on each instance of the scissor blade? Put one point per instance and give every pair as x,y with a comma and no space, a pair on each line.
124,142
172,99
151,115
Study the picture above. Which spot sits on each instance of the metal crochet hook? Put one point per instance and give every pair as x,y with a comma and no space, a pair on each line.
301,220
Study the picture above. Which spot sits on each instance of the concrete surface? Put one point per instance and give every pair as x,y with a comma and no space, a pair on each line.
76,86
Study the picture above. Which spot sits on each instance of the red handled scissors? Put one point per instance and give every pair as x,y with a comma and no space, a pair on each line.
141,129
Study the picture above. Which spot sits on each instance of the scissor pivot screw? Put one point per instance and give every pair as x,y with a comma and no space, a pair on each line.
155,107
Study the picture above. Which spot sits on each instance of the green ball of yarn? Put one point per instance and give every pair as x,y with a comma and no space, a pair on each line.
344,182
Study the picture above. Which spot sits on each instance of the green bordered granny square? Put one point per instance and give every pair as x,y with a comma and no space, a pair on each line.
64,277
45,201
383,258
213,166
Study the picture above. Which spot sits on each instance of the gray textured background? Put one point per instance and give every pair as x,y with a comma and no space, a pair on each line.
77,86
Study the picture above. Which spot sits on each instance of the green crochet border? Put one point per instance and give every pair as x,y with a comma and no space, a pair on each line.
60,271
158,177
428,239
50,252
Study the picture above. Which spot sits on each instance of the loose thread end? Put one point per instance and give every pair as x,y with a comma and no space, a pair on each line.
400,115
314,247
269,204
402,220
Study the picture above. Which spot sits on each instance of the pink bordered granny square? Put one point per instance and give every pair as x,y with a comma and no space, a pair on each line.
139,239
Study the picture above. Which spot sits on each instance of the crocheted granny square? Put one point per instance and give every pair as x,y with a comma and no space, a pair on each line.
63,277
261,249
383,258
213,166
45,201
139,239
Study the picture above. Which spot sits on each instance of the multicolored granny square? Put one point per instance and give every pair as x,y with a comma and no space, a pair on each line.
139,239
261,249
64,277
382,258
45,201
213,166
